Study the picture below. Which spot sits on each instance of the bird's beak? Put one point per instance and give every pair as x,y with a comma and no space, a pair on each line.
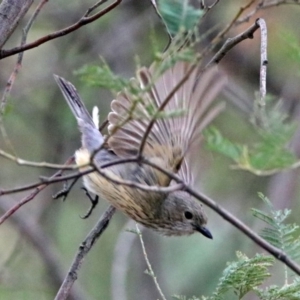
204,231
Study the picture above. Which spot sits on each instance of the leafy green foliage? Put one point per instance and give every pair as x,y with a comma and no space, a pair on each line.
179,297
179,15
217,142
243,275
278,233
270,154
103,77
287,292
248,274
240,277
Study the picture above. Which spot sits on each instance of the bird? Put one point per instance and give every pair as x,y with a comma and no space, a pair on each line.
173,143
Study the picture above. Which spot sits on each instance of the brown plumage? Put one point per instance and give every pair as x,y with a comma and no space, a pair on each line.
173,143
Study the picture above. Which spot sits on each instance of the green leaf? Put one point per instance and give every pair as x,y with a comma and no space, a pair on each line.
179,15
217,142
269,154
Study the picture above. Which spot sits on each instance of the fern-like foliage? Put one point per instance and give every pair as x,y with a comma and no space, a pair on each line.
278,233
285,237
179,297
247,274
286,292
103,77
240,277
243,275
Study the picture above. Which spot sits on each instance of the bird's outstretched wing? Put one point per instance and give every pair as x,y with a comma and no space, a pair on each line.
175,137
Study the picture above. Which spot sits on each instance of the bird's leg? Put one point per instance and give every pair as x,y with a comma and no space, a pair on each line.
94,202
65,191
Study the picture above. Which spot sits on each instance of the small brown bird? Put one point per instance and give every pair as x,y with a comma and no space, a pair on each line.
173,143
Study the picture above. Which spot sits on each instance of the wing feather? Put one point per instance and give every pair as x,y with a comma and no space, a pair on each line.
194,97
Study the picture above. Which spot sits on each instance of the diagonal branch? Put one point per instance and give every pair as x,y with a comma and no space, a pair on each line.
277,253
265,5
81,22
84,248
31,196
231,42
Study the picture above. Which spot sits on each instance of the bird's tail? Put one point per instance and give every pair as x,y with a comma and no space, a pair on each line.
91,139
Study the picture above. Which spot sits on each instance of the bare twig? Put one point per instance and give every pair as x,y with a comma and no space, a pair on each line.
261,102
143,187
43,164
31,196
264,5
18,65
84,248
92,8
150,270
81,22
263,60
207,8
55,179
221,35
231,42
46,181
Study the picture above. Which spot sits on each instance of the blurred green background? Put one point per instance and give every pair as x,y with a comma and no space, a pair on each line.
41,128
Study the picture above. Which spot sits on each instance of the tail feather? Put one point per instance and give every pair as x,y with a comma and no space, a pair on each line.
92,139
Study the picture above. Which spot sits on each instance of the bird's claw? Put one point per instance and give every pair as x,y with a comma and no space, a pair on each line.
94,202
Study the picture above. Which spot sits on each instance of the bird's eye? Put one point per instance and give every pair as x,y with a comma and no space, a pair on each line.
188,215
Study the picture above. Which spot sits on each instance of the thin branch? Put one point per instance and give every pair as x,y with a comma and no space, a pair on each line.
261,102
277,253
221,35
92,8
84,249
16,70
143,187
31,196
264,5
150,270
45,180
93,168
43,164
231,42
20,56
263,60
81,22
207,8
